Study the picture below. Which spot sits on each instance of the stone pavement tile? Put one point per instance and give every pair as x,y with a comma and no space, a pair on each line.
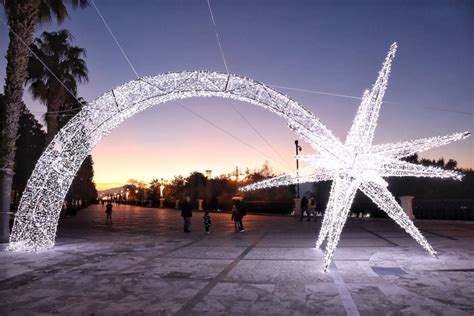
277,271
454,232
89,246
207,252
413,304
287,243
358,253
370,300
323,299
363,242
356,272
106,264
203,269
226,298
39,291
108,295
451,288
357,234
243,240
290,235
150,296
418,259
285,253
407,241
17,263
270,299
442,225
401,233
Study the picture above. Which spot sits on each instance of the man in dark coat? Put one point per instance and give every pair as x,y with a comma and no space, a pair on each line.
108,212
187,213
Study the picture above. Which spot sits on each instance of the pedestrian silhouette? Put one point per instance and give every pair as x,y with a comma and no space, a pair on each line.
207,222
108,212
187,213
304,207
235,218
311,208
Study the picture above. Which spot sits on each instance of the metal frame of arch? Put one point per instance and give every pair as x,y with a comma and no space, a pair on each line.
37,217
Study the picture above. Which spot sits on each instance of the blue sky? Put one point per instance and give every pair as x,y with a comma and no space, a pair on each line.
331,46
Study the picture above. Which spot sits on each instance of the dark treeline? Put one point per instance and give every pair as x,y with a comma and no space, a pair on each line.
216,193
31,143
441,190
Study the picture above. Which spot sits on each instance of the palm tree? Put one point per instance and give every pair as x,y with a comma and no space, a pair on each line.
65,61
23,16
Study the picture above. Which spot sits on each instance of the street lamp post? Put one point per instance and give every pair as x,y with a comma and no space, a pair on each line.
162,198
235,176
298,149
161,187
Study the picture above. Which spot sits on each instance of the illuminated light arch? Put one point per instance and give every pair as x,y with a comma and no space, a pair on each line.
40,206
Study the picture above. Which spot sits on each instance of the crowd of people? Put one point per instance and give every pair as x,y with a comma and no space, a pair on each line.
238,214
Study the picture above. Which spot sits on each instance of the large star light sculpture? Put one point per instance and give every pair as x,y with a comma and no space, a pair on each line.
358,164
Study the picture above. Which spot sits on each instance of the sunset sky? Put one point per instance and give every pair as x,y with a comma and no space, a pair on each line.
329,46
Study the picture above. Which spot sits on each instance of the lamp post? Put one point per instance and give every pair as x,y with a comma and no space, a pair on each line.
162,186
162,199
298,149
235,177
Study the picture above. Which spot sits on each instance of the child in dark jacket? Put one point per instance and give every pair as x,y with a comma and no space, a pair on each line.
207,222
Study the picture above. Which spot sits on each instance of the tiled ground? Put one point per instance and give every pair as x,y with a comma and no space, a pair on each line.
144,264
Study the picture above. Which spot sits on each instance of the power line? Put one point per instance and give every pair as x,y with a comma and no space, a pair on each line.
115,39
261,136
217,36
359,98
198,115
225,131
317,92
446,110
227,70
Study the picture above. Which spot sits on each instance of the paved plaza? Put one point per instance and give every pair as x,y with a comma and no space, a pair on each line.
144,264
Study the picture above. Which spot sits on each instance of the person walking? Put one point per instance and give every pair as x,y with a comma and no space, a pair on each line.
304,207
311,208
207,222
187,213
108,212
235,218
241,214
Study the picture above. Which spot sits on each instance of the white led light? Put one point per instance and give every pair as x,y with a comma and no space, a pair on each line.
358,164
